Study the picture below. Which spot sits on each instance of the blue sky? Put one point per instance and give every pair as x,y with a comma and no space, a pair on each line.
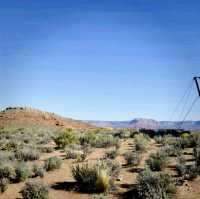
106,60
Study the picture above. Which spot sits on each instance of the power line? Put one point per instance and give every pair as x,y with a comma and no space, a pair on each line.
181,99
189,110
186,102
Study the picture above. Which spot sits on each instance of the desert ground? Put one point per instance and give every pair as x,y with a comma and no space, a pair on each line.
99,163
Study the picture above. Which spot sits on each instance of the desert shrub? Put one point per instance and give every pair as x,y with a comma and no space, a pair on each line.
154,185
188,172
76,147
46,149
92,178
104,141
35,190
133,158
88,138
27,154
38,170
141,142
123,133
73,153
7,171
65,138
98,140
181,169
193,140
158,139
157,161
196,153
22,172
168,140
52,163
171,150
113,168
185,135
3,184
99,196
112,154
10,145
191,172
6,156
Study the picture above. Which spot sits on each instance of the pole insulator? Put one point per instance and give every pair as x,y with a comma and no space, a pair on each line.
197,84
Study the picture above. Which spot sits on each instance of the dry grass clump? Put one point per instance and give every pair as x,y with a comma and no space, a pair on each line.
93,178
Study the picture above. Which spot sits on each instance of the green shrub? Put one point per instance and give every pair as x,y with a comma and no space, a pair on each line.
3,184
123,133
7,171
52,163
6,156
27,154
88,138
181,169
171,150
157,161
91,178
185,135
46,149
22,172
112,154
98,140
154,185
188,172
104,141
99,196
158,139
141,142
35,190
133,158
73,154
38,170
65,138
196,153
113,168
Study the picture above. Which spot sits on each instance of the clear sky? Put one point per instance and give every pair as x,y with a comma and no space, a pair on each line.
106,59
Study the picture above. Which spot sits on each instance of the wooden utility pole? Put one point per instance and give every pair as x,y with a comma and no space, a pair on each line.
197,84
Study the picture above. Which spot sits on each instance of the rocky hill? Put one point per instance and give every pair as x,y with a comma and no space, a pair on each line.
27,116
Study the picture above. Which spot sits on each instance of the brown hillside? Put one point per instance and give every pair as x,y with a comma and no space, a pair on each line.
29,116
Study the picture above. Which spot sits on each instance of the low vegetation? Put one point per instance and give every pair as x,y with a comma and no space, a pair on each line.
154,185
93,178
157,161
104,162
52,163
22,172
35,190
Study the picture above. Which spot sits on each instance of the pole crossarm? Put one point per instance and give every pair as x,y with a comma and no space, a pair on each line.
197,84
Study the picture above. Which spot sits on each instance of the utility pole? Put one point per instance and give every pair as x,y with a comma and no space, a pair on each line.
197,84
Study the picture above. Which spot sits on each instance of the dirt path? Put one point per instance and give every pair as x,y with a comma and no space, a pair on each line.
129,174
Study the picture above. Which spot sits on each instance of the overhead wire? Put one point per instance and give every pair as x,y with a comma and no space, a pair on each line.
189,110
189,88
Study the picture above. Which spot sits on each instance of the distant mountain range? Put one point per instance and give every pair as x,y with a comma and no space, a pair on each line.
148,124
